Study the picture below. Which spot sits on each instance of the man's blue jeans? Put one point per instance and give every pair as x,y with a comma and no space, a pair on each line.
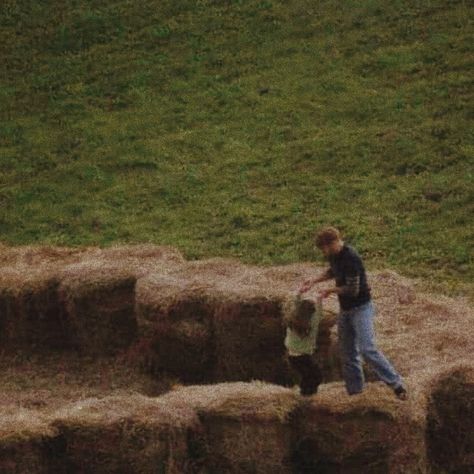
356,340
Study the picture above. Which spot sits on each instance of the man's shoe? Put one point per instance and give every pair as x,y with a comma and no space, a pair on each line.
401,392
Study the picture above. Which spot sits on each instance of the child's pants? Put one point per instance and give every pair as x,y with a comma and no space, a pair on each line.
309,371
356,339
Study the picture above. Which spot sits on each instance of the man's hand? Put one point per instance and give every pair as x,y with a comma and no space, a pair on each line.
323,294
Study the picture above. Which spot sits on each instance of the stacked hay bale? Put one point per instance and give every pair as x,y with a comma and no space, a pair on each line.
246,427
419,331
58,298
247,320
175,316
372,433
30,313
450,420
25,440
218,320
125,434
139,259
99,303
249,338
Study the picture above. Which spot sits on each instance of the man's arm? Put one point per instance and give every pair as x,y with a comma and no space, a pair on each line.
308,284
351,288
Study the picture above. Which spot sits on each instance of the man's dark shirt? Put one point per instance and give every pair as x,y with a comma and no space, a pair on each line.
348,270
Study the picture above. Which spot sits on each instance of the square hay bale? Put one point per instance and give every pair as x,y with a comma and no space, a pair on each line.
450,420
99,302
31,317
372,433
246,427
249,334
125,434
327,348
178,317
141,259
39,255
25,438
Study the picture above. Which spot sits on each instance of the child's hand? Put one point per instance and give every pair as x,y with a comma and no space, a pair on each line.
305,286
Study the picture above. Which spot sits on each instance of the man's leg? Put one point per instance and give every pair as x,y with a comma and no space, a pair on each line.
363,319
350,357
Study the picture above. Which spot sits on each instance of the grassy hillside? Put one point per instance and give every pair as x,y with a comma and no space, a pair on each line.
237,127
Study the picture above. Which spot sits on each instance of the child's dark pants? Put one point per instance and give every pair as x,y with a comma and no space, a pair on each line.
309,371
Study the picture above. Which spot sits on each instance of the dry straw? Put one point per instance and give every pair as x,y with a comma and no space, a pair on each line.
246,426
229,317
450,419
126,434
223,315
24,441
43,291
372,432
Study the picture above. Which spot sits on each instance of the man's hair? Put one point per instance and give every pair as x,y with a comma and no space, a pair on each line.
326,236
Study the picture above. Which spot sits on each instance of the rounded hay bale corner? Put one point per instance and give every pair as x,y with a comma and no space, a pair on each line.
246,427
450,421
133,434
373,433
25,442
99,302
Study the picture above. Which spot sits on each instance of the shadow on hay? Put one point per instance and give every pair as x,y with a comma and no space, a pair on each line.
450,422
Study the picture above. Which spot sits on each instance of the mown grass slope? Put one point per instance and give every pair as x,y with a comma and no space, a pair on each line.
237,127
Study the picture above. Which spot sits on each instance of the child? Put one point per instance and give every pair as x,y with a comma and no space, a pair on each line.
302,320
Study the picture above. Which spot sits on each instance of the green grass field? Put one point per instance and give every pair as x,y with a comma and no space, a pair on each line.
238,127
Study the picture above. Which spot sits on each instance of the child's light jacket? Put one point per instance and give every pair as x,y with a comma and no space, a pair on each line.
300,345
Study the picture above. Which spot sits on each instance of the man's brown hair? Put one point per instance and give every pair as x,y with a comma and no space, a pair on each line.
326,236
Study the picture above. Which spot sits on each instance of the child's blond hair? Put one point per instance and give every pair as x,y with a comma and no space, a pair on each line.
298,314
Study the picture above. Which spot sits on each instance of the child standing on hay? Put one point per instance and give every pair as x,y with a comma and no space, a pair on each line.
356,319
302,320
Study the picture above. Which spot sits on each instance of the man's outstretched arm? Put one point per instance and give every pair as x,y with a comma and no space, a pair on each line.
308,284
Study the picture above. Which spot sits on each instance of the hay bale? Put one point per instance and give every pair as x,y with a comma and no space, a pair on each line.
417,331
372,433
246,426
247,326
125,434
176,316
140,259
39,255
327,351
25,439
218,320
99,302
450,420
249,334
31,317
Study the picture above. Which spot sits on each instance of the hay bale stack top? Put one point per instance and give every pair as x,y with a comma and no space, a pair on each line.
152,435
372,432
25,438
246,426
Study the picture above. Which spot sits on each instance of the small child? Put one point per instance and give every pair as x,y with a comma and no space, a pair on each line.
302,321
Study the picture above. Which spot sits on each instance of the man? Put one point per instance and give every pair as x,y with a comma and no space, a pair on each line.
356,318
